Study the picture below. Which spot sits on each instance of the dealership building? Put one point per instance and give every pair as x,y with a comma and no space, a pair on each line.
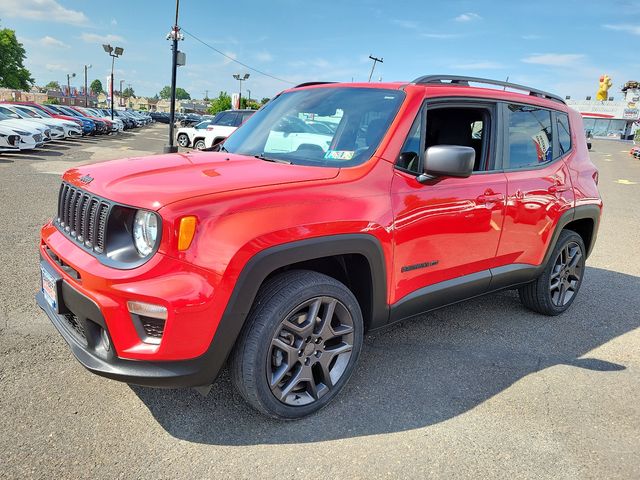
611,118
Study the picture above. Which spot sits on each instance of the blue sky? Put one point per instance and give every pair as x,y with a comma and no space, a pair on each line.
562,45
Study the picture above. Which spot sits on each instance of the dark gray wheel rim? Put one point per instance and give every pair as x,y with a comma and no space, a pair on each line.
310,351
566,274
183,140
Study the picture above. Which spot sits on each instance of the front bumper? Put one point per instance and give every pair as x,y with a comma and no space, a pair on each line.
92,303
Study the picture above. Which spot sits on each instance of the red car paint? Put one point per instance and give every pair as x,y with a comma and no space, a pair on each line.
245,205
43,108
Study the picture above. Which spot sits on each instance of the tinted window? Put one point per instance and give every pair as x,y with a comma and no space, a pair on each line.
226,119
564,135
245,116
530,140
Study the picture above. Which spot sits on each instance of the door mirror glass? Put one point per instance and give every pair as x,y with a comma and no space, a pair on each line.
448,161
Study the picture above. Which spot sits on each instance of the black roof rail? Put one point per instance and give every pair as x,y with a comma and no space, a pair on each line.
308,84
462,80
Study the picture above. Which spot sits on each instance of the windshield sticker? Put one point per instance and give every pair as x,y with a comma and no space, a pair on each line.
339,154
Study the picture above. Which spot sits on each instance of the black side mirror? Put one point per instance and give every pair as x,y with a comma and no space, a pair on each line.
448,161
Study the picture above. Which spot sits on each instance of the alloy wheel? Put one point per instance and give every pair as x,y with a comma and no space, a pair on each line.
566,274
310,351
183,140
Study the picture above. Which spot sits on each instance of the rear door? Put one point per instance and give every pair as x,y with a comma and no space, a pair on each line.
539,188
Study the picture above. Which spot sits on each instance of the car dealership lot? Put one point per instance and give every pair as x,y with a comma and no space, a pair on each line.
481,389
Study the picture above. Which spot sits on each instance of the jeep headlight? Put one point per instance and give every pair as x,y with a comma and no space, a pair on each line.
145,231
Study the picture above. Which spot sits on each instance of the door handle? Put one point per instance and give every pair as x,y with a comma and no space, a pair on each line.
489,197
557,188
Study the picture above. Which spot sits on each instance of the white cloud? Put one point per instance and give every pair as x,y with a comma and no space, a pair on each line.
56,67
52,42
408,24
624,27
467,17
479,65
440,36
49,10
554,59
114,22
95,38
233,56
264,57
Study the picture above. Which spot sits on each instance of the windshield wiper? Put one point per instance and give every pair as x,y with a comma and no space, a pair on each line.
275,160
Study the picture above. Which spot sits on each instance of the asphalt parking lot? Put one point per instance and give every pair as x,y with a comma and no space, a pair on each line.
483,389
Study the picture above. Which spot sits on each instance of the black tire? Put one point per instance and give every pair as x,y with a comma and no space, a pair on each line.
199,144
183,140
271,321
563,273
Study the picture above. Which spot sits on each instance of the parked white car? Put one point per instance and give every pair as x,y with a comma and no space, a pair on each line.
71,129
9,140
24,125
56,130
292,133
219,128
28,139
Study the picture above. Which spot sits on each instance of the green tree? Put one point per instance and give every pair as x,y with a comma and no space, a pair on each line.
96,87
13,73
53,85
220,103
250,104
264,100
128,92
52,101
181,93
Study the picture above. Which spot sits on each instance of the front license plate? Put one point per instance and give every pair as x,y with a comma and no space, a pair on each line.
49,289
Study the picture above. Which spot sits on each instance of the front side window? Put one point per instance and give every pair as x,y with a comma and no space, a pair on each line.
284,129
530,138
203,125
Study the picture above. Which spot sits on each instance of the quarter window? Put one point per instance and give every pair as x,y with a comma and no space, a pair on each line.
530,138
564,134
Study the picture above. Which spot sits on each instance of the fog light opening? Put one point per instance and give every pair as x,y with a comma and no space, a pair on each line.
106,343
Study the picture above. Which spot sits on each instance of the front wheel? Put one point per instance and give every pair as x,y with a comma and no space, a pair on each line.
299,345
556,288
199,145
183,140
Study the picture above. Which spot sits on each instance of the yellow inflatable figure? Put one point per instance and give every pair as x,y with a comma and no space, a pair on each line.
605,85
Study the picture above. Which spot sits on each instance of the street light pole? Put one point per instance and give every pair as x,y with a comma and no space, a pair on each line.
69,77
113,53
248,95
86,98
121,101
174,35
240,79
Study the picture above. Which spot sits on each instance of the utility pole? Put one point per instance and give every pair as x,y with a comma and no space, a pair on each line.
375,60
121,102
248,94
69,77
86,93
174,36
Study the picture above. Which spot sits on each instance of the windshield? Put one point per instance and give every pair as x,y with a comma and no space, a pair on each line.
333,127
27,112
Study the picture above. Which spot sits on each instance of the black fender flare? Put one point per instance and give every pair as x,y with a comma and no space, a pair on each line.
261,265
580,212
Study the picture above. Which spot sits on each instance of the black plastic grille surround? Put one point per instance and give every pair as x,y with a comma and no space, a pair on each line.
83,217
101,227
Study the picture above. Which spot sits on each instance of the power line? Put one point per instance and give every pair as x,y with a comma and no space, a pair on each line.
236,61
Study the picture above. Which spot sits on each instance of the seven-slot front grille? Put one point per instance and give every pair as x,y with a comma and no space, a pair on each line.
83,217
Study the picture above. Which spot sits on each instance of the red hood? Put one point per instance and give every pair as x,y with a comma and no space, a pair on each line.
158,180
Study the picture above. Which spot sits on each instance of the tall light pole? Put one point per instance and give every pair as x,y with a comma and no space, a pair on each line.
121,102
69,77
113,53
240,78
86,93
375,60
174,35
248,95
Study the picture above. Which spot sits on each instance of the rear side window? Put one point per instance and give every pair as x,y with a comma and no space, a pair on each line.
226,119
564,134
530,138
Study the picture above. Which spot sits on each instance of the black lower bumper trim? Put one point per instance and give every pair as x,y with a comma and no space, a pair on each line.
173,374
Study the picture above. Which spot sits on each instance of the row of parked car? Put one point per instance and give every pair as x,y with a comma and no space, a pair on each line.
29,125
212,130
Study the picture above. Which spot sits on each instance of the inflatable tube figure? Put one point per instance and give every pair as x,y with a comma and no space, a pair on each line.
605,85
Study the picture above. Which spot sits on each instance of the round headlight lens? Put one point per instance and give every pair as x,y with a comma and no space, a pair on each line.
145,231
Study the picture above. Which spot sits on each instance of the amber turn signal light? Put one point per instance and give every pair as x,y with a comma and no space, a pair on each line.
186,232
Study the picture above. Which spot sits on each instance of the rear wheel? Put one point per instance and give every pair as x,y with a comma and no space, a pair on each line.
183,140
299,346
556,288
199,144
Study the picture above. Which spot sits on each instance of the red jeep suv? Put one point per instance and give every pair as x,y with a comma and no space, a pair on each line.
335,210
